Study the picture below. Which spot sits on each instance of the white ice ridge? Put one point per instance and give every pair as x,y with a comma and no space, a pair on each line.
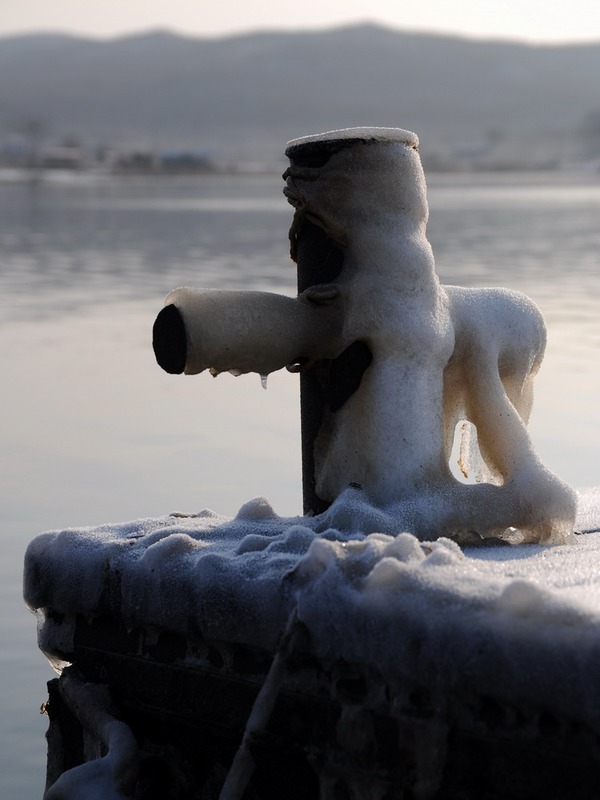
521,620
442,358
367,134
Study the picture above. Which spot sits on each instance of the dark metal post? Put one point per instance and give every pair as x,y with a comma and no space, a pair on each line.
325,387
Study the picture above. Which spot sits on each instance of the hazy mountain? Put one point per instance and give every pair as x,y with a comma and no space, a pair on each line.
246,95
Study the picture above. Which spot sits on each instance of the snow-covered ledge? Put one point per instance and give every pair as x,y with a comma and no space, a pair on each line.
369,663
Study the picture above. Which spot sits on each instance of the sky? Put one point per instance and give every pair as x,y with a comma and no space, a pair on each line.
536,21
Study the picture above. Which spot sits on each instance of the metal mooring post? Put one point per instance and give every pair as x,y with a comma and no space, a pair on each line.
326,386
384,350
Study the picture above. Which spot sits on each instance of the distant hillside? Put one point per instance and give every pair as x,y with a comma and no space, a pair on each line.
245,96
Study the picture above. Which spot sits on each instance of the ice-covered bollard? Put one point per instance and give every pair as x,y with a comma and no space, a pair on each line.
392,363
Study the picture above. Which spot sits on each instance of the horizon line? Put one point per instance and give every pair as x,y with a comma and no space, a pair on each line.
295,30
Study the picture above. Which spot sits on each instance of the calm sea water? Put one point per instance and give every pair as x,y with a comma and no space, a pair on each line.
93,431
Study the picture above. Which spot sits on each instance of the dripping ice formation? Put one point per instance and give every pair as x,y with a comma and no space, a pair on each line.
438,356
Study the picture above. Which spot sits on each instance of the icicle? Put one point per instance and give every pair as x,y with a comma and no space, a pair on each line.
263,381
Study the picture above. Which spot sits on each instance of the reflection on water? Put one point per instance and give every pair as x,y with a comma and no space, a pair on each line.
66,246
95,431
115,240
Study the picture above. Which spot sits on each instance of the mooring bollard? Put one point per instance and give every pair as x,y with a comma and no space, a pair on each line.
392,363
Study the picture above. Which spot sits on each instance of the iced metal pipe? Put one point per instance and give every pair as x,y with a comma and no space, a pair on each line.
319,244
240,332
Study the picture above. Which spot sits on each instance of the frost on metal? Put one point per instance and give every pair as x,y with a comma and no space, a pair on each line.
434,370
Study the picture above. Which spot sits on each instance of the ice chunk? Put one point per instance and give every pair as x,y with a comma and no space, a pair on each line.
112,776
522,597
259,508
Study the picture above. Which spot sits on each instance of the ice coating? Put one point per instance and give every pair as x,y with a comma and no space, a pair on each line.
367,134
109,776
518,620
437,358
441,355
240,332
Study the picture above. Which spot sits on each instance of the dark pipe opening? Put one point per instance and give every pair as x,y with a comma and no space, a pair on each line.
317,154
169,340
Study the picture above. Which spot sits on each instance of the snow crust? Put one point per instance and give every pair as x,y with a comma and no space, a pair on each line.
372,134
519,620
